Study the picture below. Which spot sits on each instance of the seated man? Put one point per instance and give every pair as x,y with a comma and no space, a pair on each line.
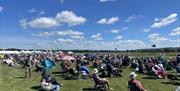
99,81
48,86
133,84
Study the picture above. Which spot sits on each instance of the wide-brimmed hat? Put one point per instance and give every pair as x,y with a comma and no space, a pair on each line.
95,70
132,75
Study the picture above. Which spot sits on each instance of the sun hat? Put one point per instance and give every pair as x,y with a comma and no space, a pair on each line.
132,75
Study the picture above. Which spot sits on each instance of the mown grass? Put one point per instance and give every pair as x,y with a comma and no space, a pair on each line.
12,79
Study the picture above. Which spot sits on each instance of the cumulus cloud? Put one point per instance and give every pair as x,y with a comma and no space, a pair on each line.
64,17
115,31
175,31
106,0
70,18
111,20
155,37
43,22
97,36
1,9
164,21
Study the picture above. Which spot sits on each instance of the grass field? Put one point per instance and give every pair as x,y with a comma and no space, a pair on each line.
12,79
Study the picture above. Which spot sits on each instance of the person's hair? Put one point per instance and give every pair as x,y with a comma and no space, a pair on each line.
42,80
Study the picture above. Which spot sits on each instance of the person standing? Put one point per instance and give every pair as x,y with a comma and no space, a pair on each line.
133,84
28,66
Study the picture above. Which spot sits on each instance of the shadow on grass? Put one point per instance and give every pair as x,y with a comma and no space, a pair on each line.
150,77
172,83
20,77
56,72
37,88
90,89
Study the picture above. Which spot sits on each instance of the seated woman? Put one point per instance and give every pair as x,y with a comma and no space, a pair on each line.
47,86
98,80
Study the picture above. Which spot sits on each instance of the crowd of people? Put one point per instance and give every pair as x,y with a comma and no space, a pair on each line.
75,66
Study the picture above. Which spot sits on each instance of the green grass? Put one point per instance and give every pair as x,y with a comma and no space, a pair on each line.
11,79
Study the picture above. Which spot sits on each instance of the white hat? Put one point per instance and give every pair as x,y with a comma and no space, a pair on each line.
95,70
132,75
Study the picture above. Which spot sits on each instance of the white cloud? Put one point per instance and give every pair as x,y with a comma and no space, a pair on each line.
115,31
130,18
64,17
133,17
23,23
44,34
124,28
1,8
129,44
174,43
70,18
97,36
43,22
102,21
175,31
146,30
155,38
69,33
39,12
118,37
66,33
65,40
111,20
164,21
106,0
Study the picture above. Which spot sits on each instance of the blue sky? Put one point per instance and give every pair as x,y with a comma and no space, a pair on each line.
89,24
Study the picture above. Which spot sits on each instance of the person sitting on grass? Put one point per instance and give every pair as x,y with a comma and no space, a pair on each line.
159,71
133,84
48,86
98,80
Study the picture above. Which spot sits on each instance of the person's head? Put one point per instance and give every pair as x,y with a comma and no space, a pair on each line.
95,71
132,75
43,80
